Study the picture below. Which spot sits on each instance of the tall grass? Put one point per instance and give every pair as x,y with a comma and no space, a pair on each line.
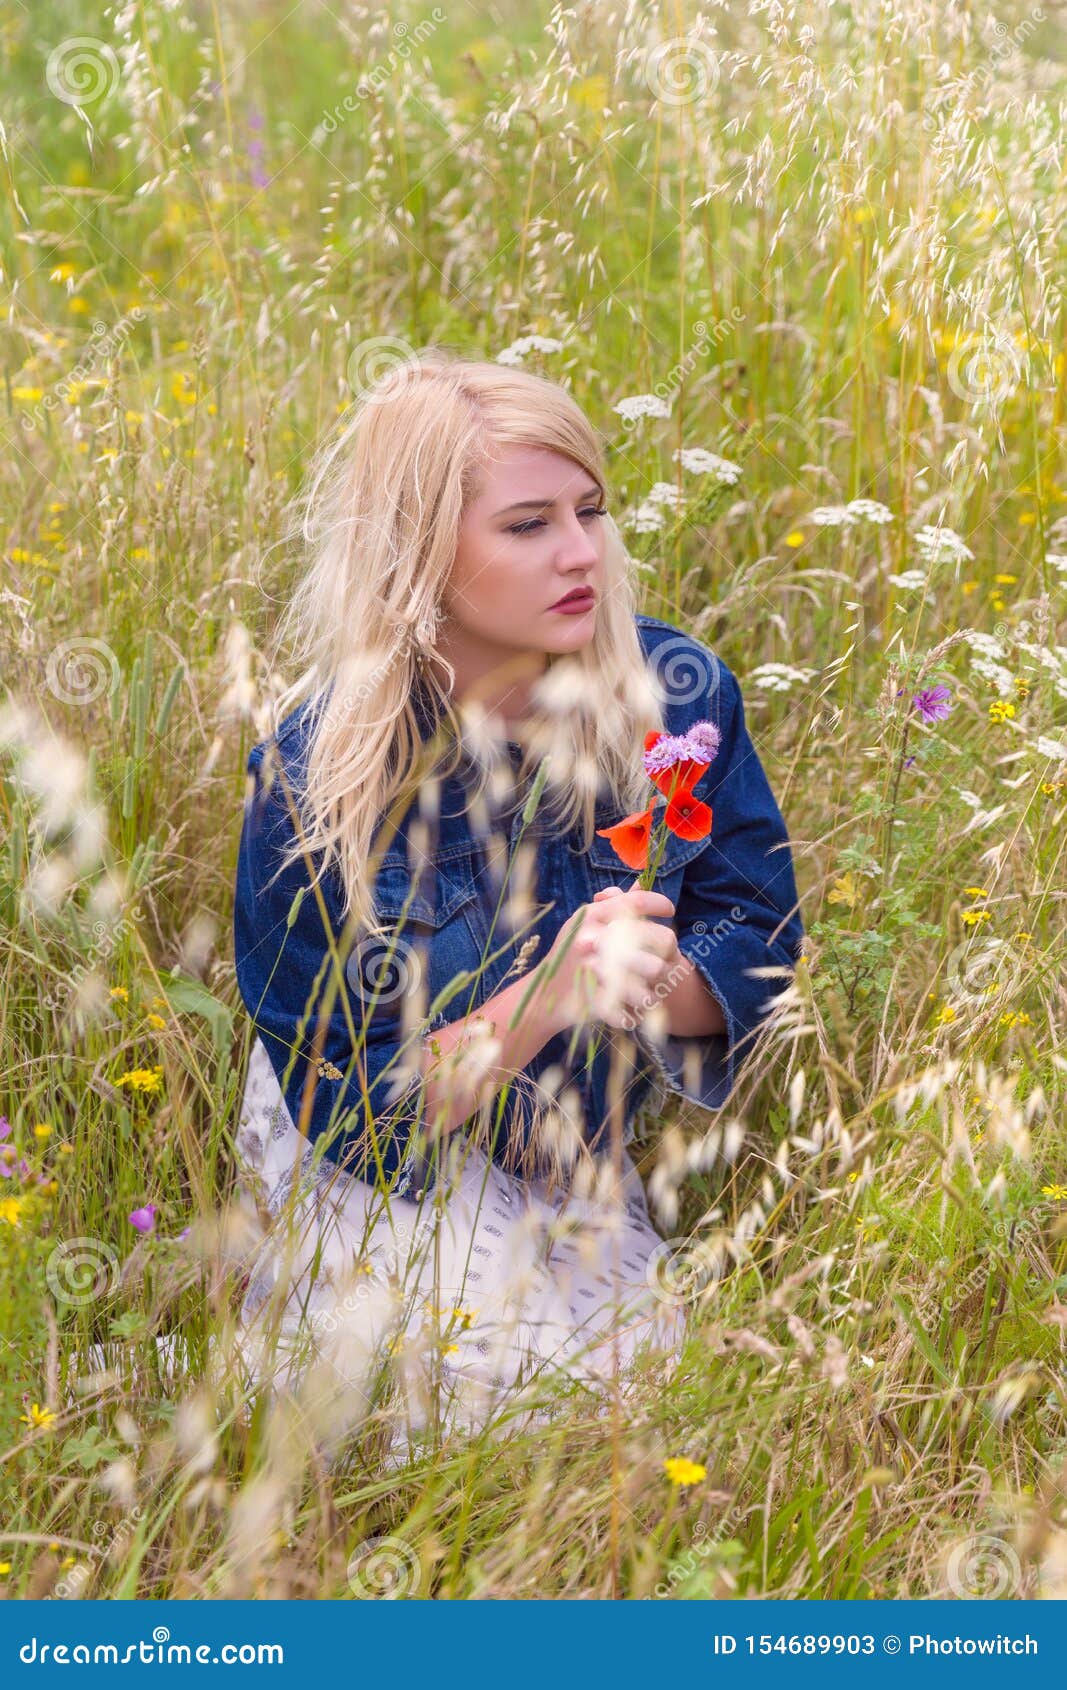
831,241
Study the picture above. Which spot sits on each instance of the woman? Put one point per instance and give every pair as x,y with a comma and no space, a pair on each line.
460,999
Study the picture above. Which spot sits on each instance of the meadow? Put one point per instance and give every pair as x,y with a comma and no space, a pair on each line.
819,249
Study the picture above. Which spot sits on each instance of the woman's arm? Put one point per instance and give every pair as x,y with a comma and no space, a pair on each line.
458,1075
737,915
692,1011
353,1074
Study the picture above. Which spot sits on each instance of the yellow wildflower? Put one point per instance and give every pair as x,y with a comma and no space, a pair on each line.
156,1021
945,1014
681,1471
141,1079
794,538
42,1130
1015,1018
119,992
1057,1192
971,918
1001,710
844,890
10,1210
38,1417
5,1568
976,892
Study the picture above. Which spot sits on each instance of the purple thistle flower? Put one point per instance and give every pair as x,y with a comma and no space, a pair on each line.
144,1219
933,705
697,745
703,740
671,749
5,1126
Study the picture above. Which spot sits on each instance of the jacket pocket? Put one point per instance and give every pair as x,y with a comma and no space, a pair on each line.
426,962
607,870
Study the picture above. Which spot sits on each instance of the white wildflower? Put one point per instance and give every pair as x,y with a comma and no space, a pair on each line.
646,519
1055,748
941,545
911,580
664,493
699,462
516,352
995,673
832,516
987,644
642,405
778,677
1058,561
869,510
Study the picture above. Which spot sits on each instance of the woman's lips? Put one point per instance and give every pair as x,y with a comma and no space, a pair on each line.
576,605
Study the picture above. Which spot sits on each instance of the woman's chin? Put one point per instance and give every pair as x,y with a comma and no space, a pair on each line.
575,632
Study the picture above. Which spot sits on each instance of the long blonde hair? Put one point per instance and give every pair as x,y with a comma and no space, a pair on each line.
380,515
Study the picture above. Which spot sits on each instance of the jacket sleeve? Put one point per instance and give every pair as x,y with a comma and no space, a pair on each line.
285,971
737,911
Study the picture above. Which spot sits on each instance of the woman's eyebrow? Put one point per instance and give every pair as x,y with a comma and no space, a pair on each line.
591,492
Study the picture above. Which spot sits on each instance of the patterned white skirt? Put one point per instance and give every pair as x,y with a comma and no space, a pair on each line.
467,1295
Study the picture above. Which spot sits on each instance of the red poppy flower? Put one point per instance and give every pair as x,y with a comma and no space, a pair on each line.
680,777
687,817
630,837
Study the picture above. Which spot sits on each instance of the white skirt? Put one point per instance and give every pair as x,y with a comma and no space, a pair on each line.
467,1295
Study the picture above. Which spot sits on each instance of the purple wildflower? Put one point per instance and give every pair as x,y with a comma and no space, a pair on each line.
697,745
703,740
255,151
667,751
933,705
144,1219
5,1126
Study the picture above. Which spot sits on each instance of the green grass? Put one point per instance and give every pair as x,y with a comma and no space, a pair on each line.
877,1377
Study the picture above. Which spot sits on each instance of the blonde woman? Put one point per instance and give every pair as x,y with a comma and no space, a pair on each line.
460,997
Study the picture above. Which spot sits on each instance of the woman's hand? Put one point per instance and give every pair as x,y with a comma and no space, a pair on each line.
619,963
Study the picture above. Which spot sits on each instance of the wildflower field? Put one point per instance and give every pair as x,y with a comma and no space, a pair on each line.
803,265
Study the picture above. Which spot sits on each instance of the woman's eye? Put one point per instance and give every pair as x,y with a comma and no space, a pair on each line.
536,522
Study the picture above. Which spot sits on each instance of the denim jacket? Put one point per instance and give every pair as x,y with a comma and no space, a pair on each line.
736,910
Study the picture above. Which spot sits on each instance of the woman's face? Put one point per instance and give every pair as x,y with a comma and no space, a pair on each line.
533,535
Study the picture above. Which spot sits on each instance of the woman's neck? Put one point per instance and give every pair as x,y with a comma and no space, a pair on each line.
500,680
